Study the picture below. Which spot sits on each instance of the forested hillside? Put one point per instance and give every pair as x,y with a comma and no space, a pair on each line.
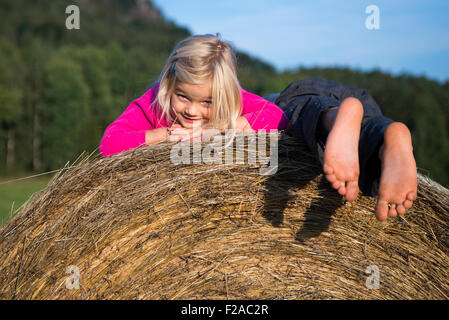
60,88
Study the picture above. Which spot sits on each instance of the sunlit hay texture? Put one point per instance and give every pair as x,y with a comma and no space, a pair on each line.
137,226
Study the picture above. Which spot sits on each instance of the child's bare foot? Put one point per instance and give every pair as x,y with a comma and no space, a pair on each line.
398,179
341,155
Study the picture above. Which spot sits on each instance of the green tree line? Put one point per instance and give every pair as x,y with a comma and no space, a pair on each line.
60,88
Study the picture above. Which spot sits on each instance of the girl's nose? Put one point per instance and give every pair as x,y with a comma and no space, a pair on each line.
191,111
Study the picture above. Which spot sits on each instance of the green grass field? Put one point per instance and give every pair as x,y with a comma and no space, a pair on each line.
14,194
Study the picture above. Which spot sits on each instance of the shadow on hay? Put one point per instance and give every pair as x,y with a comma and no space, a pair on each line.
318,214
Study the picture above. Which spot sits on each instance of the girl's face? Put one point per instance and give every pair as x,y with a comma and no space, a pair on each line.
191,103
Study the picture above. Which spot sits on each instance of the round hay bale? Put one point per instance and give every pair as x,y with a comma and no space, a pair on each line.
137,226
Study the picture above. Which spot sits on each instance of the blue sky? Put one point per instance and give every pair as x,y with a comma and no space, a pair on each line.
413,35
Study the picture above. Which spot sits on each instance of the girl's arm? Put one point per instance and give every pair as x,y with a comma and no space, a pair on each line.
262,114
156,135
128,131
135,127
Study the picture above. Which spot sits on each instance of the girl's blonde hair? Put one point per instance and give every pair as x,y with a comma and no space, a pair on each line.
196,60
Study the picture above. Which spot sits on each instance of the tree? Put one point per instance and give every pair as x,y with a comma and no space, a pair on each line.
93,63
35,54
64,110
431,146
11,81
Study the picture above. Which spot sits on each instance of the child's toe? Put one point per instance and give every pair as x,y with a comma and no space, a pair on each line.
342,190
411,196
381,210
401,209
392,211
352,190
331,178
407,204
337,184
328,169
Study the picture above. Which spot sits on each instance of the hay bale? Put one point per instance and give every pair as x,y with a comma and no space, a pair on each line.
136,226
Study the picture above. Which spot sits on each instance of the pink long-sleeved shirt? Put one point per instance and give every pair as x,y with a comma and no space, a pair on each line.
128,130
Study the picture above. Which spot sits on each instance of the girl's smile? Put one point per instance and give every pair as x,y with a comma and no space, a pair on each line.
188,119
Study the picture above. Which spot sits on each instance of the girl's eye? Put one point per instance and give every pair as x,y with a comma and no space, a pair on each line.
182,97
207,103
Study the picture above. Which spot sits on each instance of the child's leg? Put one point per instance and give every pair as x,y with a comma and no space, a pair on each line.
312,106
341,153
398,180
311,118
304,102
387,164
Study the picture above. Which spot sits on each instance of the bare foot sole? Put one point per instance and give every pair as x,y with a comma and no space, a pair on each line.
398,180
341,154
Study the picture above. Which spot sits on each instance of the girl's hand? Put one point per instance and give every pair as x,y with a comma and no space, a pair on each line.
175,126
179,133
243,125
176,136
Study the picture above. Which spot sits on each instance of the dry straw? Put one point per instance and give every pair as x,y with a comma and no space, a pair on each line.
136,226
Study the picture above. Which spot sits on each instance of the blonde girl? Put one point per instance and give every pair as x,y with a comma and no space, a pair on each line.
198,87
